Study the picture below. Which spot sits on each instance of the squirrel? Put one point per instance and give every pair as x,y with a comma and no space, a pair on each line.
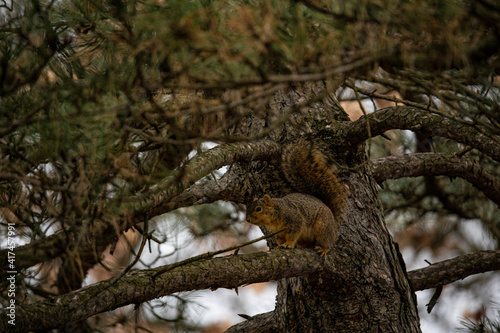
310,218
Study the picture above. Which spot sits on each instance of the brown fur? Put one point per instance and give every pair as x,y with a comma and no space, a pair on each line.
308,222
312,219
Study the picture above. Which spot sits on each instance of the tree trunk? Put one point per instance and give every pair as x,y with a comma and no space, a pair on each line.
370,291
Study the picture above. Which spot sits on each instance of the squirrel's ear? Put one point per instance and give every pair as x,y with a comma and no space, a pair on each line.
268,201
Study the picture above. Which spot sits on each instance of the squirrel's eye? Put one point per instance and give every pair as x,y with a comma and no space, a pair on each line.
258,209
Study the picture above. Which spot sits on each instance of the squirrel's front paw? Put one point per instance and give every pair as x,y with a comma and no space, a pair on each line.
286,245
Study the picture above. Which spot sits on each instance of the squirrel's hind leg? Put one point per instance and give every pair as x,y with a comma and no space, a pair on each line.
322,251
326,231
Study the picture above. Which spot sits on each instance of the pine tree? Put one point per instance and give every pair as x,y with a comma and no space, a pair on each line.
102,105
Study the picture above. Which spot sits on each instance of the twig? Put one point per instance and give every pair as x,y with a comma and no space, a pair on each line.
211,254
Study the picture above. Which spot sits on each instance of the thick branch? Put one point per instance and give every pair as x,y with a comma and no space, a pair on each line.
415,119
451,270
224,272
429,164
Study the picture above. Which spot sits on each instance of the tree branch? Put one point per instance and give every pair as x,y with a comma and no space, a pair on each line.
430,164
451,270
152,203
223,272
261,323
415,119
141,286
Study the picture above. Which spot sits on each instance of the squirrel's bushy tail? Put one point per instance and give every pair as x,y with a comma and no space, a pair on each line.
306,168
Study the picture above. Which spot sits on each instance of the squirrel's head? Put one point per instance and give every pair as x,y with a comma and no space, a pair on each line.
260,211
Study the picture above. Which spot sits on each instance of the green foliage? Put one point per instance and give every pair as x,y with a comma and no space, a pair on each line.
484,325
